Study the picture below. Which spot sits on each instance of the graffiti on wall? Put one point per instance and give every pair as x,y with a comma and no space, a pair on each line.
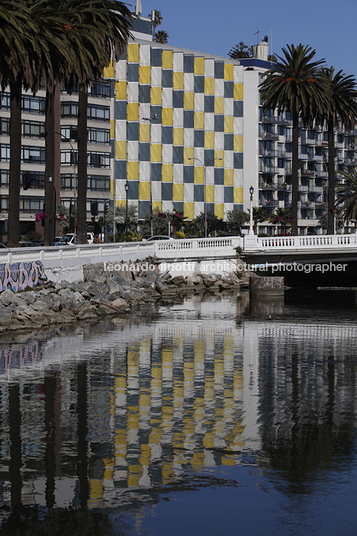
21,275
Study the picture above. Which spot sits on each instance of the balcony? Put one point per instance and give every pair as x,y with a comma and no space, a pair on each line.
269,136
267,119
269,203
307,173
269,169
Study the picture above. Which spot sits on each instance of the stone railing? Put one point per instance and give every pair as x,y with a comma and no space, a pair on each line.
67,262
319,242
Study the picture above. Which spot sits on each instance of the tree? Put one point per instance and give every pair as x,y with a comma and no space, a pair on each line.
347,194
214,224
17,32
340,109
240,51
120,217
161,37
235,220
104,31
156,20
295,83
282,217
259,215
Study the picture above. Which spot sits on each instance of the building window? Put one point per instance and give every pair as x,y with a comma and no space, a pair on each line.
99,136
33,105
98,160
33,155
69,109
67,158
70,133
100,89
67,181
5,152
4,178
98,183
33,129
98,113
31,204
4,126
5,101
32,179
4,203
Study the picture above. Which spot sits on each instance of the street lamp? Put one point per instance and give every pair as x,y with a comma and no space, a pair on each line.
204,184
285,188
126,211
251,192
151,119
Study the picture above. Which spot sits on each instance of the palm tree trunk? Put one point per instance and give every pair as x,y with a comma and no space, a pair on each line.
13,236
294,174
82,165
331,179
50,167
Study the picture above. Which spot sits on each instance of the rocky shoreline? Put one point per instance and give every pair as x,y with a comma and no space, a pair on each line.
102,295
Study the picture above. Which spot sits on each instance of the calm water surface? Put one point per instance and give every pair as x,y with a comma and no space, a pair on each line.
218,416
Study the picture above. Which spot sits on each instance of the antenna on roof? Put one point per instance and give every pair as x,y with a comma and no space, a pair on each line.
138,7
257,34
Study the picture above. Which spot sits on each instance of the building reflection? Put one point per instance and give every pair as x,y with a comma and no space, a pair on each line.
98,422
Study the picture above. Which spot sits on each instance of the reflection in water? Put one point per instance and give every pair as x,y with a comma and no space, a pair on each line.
106,420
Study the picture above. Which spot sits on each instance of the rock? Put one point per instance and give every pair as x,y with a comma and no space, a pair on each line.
196,279
178,280
121,305
159,287
7,297
29,297
88,312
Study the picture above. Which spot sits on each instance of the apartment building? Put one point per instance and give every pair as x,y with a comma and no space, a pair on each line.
172,128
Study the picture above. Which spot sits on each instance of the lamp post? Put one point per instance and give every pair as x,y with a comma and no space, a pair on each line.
126,210
285,188
50,217
151,119
251,192
204,184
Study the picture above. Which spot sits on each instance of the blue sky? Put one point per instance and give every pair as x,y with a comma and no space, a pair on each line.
215,27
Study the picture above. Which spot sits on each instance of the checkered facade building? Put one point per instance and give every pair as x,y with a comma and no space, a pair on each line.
178,123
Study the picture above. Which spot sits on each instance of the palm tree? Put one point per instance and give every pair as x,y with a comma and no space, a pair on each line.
156,20
347,194
103,31
161,37
16,41
294,83
52,60
340,109
259,215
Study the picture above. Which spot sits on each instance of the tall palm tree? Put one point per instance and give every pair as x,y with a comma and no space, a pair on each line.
156,20
16,41
52,61
294,83
102,31
340,109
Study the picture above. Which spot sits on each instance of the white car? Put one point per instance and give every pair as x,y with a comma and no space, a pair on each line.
159,237
69,239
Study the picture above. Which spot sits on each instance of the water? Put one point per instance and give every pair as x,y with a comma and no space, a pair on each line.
217,416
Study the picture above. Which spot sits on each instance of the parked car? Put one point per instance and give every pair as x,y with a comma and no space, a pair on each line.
3,246
159,237
69,239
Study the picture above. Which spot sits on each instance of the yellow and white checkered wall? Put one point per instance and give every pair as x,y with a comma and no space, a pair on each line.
179,124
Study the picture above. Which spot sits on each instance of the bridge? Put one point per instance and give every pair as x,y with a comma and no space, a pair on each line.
274,254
